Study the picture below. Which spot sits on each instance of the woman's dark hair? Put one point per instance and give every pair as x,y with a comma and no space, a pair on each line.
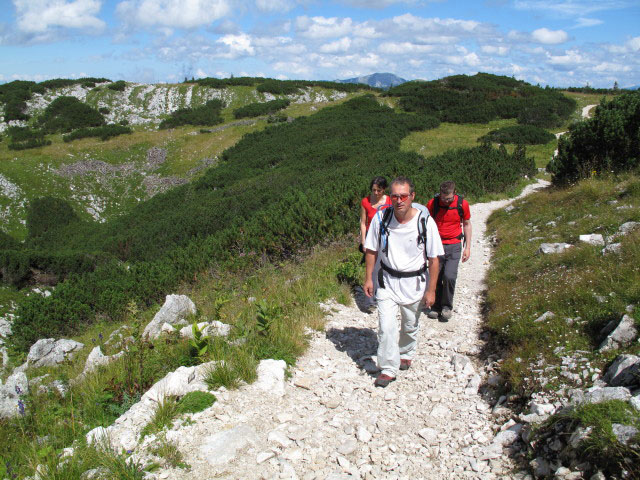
379,181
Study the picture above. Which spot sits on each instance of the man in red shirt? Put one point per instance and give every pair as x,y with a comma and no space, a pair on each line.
453,217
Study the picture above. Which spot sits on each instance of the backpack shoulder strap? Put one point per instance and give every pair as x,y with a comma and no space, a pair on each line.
436,205
460,209
383,232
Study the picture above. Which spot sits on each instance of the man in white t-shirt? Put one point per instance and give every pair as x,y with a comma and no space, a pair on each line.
408,276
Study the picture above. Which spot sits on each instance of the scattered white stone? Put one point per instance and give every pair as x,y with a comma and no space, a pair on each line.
592,239
550,248
545,316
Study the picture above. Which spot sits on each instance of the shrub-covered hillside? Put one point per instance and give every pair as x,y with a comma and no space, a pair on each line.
609,142
277,191
484,97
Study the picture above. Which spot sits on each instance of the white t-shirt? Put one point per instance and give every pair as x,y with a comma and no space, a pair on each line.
405,254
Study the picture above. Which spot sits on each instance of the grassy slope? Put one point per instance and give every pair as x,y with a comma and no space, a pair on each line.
451,135
112,195
584,289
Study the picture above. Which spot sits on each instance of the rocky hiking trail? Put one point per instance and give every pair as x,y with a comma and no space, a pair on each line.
328,421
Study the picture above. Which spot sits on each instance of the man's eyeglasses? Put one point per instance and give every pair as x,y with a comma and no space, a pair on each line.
401,198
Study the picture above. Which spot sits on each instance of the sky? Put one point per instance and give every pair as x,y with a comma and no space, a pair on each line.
548,42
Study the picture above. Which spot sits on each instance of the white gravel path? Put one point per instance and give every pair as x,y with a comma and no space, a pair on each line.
331,423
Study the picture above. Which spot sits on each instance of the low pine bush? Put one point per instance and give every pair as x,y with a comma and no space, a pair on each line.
264,108
105,132
208,114
519,134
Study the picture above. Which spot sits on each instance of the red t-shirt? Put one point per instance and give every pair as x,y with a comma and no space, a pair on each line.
449,221
371,211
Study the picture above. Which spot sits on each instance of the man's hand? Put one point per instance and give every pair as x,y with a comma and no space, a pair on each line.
466,253
368,287
429,298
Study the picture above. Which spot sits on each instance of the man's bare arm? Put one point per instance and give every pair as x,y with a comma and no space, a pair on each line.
434,270
370,258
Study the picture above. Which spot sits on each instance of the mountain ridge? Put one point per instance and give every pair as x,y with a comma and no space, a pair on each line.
378,80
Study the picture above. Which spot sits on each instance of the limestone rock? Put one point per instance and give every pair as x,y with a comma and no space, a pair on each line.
48,352
612,248
621,336
271,376
593,239
624,371
175,309
624,433
599,395
11,393
628,227
220,448
544,316
96,358
549,248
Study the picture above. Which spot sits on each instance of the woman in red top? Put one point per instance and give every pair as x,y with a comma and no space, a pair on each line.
371,204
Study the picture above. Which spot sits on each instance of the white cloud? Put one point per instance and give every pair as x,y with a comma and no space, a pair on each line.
587,22
606,67
379,3
571,57
403,48
500,50
341,45
322,27
238,45
38,16
173,13
549,37
275,6
571,8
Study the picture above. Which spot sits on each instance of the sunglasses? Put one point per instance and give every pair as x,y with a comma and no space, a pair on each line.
401,198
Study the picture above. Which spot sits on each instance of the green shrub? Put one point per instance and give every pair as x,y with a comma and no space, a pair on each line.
7,242
105,132
351,270
264,108
65,114
484,97
194,402
48,213
208,114
118,86
22,138
608,142
519,134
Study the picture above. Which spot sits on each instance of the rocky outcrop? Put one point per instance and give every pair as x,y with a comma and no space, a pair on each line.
49,352
623,334
175,310
549,248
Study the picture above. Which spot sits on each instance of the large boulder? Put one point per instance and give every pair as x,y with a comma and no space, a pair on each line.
621,336
599,395
11,393
175,310
49,352
593,239
624,371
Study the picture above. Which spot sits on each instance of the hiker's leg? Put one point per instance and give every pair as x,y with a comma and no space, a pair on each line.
388,353
438,303
409,326
450,273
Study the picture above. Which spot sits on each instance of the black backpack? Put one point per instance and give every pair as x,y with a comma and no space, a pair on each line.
436,206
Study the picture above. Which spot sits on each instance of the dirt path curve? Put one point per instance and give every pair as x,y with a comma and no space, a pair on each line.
331,423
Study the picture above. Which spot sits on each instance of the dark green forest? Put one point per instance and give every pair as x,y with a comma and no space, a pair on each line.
274,193
484,97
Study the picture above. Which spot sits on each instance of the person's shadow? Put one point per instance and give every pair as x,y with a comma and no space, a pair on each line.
363,302
359,343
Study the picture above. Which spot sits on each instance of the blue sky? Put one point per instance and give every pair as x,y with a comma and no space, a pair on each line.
558,43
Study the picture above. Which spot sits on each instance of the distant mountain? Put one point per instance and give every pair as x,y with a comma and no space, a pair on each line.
378,80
